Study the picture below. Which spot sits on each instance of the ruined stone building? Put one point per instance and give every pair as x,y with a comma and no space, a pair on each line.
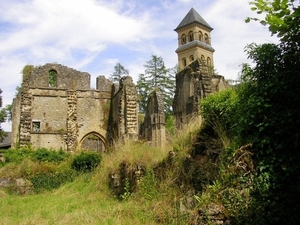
56,107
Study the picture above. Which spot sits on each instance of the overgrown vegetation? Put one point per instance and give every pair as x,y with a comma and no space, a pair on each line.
86,161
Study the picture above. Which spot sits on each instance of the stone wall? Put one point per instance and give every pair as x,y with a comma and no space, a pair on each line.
67,78
193,84
153,129
123,118
59,117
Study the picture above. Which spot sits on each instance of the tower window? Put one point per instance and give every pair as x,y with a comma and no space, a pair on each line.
202,58
183,39
184,62
191,36
208,61
191,58
206,39
52,78
200,36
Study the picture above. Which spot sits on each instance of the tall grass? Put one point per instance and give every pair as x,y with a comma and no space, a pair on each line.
89,200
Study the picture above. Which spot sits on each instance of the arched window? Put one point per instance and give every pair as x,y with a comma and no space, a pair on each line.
183,39
200,36
206,38
191,36
191,58
184,62
208,61
52,78
202,58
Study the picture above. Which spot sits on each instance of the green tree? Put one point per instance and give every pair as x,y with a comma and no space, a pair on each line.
156,76
268,115
119,71
2,119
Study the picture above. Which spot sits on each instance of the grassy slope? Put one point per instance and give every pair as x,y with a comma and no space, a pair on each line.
79,202
88,199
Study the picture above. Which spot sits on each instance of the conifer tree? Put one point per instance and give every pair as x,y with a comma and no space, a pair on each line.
119,71
156,76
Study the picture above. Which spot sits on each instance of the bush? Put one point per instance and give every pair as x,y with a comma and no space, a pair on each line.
86,161
17,155
45,155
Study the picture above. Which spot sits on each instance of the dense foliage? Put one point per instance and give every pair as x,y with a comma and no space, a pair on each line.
265,113
38,155
86,161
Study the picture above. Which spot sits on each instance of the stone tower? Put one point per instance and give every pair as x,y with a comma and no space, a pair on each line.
194,40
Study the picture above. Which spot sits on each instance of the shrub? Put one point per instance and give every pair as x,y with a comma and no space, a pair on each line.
17,155
86,161
45,155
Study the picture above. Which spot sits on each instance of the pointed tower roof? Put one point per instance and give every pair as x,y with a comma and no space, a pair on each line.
193,17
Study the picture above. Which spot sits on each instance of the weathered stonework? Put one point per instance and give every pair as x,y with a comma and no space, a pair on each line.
63,114
123,117
193,84
153,128
25,114
72,125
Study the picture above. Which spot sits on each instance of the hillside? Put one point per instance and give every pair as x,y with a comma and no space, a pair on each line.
169,188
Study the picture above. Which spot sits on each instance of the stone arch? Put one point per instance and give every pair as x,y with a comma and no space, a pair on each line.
93,141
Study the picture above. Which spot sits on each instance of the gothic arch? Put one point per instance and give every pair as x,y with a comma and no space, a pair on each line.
93,141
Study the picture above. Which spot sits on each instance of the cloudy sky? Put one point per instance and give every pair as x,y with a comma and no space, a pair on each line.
93,35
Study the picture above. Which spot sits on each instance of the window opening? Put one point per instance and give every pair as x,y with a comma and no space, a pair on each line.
191,36
206,39
184,62
202,58
183,39
208,61
36,126
191,58
52,78
200,36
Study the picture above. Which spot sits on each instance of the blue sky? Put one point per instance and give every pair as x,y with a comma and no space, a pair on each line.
93,35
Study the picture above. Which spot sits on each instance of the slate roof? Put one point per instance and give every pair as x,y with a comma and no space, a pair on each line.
193,17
